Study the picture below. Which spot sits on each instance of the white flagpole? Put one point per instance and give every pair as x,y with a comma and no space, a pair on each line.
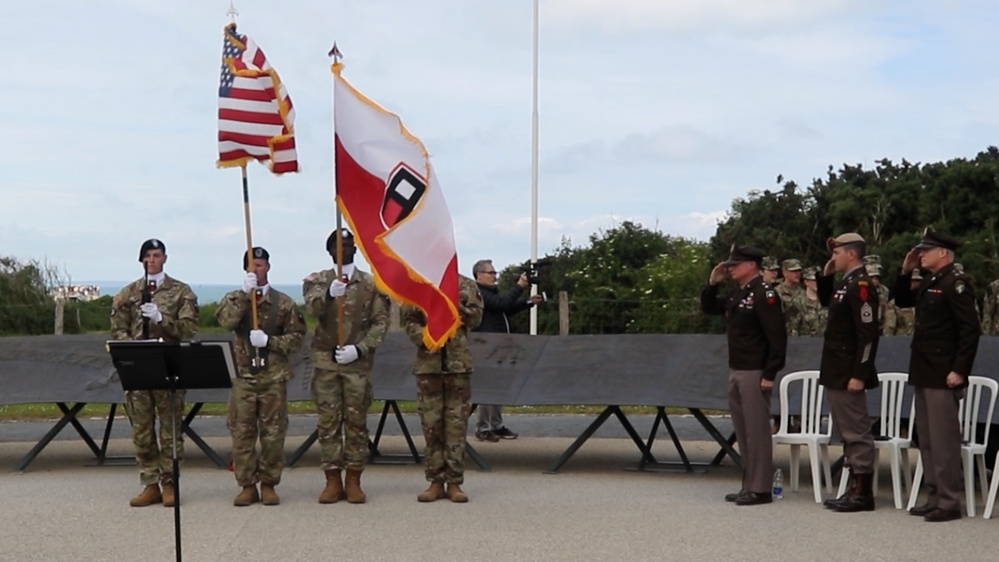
534,171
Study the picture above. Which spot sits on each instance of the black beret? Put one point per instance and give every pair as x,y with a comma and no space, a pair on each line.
745,253
151,244
258,254
331,240
938,239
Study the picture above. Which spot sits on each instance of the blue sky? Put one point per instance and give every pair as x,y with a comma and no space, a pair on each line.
657,111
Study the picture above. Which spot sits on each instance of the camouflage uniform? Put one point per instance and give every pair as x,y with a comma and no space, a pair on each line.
343,392
810,319
792,306
898,321
179,307
443,387
258,401
990,312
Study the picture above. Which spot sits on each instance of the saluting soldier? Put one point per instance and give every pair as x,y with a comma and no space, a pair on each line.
901,321
757,347
847,369
341,386
944,345
444,394
155,306
258,400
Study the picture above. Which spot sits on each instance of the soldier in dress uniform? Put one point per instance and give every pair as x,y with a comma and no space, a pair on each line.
944,345
811,317
258,401
847,368
901,321
444,394
757,346
155,306
341,385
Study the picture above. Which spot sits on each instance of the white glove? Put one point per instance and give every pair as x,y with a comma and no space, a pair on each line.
258,338
249,282
346,354
152,312
337,288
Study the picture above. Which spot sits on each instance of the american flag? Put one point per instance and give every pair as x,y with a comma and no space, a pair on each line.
256,118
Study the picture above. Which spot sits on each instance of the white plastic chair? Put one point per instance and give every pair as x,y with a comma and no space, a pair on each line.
893,387
812,433
968,411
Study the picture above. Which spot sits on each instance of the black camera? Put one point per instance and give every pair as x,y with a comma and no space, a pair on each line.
533,269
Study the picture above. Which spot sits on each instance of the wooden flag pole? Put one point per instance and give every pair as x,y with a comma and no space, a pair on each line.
249,253
334,53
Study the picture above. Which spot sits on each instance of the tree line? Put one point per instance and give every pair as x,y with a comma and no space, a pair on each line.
637,279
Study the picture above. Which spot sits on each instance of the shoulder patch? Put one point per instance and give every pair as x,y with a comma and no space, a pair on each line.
959,286
771,296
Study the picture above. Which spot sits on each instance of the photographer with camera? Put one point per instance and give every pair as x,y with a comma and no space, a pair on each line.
496,309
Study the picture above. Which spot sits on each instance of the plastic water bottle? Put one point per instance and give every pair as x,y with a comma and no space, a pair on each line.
778,485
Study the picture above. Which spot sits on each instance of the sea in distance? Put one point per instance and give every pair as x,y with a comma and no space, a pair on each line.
207,292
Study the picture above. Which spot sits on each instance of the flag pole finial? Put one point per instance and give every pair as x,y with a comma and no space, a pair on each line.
335,53
231,12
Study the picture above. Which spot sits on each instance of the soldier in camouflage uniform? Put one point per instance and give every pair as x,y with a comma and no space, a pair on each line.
770,270
902,321
990,309
789,290
811,316
258,401
443,395
155,306
872,264
341,386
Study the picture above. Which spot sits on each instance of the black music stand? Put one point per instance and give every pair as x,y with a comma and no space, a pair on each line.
156,365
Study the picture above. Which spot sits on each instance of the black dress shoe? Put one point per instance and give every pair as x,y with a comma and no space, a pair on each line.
921,510
754,498
732,497
833,503
938,515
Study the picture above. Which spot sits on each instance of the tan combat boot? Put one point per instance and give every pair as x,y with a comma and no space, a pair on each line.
333,492
455,494
268,495
168,495
148,496
432,493
246,497
352,486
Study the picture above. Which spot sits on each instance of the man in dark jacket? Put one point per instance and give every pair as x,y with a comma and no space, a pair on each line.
757,347
495,311
944,345
847,367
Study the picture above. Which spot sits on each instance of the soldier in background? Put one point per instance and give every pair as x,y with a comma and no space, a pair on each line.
258,401
811,316
167,309
990,310
770,270
443,395
341,386
872,264
788,290
902,321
